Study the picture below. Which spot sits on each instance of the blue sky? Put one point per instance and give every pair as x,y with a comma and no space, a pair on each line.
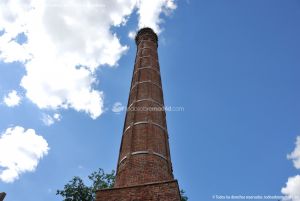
232,65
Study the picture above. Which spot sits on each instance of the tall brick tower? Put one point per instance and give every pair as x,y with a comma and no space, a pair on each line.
144,170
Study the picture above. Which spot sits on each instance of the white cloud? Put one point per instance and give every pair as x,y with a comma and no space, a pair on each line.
57,117
118,107
66,42
48,120
295,155
12,99
150,11
131,34
292,189
20,152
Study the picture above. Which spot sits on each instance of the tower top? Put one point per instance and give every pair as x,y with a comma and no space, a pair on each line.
146,34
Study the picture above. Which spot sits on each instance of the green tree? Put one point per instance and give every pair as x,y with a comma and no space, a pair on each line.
76,190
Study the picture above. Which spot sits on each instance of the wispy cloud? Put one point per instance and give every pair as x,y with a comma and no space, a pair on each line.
295,155
118,107
48,120
20,151
131,34
12,99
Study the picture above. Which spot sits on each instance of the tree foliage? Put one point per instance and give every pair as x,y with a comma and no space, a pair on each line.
77,190
183,196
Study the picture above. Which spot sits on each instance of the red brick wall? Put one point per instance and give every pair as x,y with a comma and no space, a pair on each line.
144,153
164,191
144,171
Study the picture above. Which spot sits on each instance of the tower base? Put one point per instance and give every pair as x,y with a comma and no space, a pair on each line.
158,191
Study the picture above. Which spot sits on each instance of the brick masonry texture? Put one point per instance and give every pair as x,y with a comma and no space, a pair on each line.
164,191
144,170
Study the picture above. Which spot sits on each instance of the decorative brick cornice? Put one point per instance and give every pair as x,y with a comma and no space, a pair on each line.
144,34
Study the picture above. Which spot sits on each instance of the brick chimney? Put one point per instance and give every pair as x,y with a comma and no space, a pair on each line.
144,169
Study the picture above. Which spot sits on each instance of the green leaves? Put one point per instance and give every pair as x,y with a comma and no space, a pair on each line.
76,190
101,180
183,196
